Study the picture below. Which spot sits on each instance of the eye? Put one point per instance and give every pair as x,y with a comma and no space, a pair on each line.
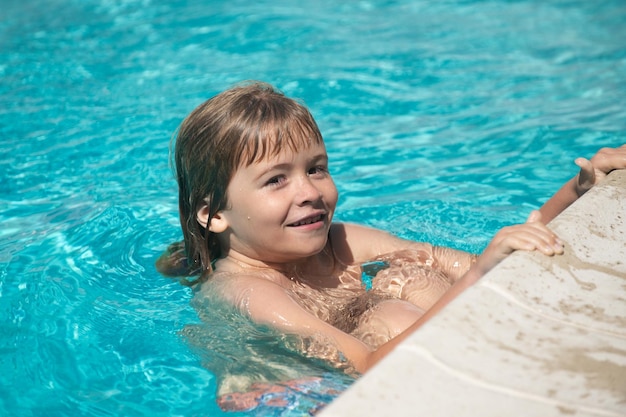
275,181
318,170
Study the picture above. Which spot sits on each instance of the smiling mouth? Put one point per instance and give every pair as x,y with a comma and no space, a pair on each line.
309,220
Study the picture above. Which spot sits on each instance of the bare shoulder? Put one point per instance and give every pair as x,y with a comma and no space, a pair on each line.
354,243
233,287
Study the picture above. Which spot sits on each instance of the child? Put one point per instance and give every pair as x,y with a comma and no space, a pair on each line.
256,206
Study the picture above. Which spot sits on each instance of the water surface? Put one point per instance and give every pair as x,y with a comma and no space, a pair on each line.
444,121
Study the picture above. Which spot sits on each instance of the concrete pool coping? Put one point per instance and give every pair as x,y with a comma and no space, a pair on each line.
537,336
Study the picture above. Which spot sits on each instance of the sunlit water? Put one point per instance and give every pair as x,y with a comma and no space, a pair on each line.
444,120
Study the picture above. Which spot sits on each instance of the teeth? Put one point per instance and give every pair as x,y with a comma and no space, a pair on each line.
308,221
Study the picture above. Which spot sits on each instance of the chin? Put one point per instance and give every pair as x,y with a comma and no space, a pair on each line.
308,250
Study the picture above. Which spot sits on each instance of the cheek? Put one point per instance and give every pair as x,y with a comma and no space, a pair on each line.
331,195
265,212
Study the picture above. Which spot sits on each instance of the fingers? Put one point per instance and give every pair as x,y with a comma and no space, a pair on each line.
593,170
585,166
540,240
529,237
608,159
547,241
586,176
548,244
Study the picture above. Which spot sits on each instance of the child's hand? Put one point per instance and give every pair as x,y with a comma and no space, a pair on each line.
532,235
594,170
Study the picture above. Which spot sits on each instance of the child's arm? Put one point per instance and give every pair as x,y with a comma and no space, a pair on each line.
591,173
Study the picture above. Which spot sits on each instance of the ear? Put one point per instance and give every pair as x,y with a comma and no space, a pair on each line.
217,224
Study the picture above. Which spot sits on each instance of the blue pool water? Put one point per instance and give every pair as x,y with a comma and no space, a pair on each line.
444,121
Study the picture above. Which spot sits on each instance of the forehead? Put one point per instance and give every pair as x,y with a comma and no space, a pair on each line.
288,155
279,140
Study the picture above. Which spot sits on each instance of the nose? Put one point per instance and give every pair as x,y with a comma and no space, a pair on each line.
307,191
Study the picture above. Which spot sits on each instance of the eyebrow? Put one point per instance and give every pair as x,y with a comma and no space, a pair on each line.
282,166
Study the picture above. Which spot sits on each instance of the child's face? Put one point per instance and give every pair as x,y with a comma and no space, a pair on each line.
280,209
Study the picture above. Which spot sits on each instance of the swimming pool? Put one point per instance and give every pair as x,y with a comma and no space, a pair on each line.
444,121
